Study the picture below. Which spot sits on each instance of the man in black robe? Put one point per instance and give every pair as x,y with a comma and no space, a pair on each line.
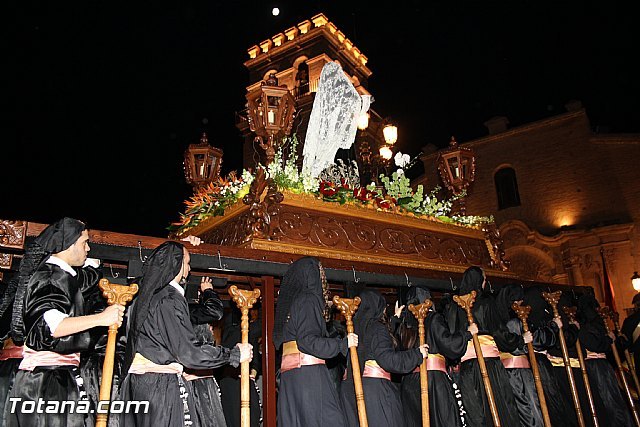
54,324
161,342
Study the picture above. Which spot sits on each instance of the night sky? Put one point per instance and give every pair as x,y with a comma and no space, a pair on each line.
105,96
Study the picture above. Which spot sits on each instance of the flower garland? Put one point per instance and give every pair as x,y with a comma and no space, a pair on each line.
394,195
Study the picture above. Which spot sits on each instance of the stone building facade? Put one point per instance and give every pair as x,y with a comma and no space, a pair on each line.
566,200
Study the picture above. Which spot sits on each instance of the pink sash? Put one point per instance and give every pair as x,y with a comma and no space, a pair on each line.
592,355
293,358
296,360
14,352
141,365
514,362
488,346
373,370
435,362
32,359
191,377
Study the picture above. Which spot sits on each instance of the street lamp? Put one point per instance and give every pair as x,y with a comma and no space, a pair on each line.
202,163
386,153
363,121
390,133
635,281
457,167
270,112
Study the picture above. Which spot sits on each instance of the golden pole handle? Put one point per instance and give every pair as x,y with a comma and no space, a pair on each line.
522,311
466,302
552,298
420,312
115,294
348,307
244,300
605,313
571,315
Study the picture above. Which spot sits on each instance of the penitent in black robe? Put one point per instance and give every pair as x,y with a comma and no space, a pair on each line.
206,393
443,407
559,404
570,333
167,336
381,396
306,395
523,385
611,406
471,383
51,287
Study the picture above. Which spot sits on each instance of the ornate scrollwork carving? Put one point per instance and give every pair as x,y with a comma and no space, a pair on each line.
342,233
494,244
263,208
12,233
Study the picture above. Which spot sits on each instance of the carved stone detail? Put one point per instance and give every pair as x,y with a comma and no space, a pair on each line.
12,234
530,267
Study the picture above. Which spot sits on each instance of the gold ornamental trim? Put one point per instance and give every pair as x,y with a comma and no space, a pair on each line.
396,261
371,213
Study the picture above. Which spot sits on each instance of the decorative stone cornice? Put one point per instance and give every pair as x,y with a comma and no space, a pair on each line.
510,133
293,36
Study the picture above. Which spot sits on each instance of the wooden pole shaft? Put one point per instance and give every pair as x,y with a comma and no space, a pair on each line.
420,312
605,313
115,294
348,308
244,299
615,317
466,302
571,314
523,314
552,298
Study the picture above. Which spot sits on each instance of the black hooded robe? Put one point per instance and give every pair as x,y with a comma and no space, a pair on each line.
160,330
523,386
167,336
307,396
381,396
521,379
51,287
444,410
611,406
206,392
486,316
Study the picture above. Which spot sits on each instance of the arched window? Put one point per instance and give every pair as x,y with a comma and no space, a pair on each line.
302,78
507,188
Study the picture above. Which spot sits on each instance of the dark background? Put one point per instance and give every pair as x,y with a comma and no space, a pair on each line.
103,97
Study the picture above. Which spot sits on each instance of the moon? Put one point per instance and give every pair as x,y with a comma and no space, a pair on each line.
275,11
